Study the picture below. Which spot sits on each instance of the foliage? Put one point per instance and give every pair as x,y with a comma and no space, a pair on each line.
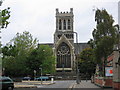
41,57
24,42
105,36
17,52
87,62
22,56
9,50
4,16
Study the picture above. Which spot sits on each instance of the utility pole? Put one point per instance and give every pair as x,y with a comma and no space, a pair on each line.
77,70
41,75
77,79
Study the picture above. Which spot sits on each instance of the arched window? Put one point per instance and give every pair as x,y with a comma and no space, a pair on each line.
69,24
60,24
63,56
64,23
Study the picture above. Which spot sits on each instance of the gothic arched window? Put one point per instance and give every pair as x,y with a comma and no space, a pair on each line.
64,23
69,24
60,24
63,56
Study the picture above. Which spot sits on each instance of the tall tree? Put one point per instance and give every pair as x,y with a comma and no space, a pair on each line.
105,36
87,62
41,57
17,51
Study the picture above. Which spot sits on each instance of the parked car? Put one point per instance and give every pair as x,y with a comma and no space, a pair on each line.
43,78
6,83
26,78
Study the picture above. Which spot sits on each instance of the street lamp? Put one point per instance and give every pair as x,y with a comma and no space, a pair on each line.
3,73
41,74
77,71
77,79
34,74
63,69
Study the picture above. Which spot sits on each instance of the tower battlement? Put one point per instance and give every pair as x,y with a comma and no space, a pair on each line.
62,13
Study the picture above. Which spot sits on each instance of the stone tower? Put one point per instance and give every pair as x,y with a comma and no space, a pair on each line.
64,41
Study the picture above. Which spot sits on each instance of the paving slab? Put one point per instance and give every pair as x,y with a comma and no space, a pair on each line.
31,84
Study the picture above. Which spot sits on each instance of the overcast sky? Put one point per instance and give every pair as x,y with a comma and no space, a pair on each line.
38,17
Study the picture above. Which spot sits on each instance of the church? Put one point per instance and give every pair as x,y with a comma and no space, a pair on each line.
65,50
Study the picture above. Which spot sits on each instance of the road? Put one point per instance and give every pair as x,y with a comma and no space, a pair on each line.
58,84
64,85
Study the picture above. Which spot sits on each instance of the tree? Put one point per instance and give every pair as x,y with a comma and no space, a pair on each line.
4,16
17,52
9,50
41,57
105,36
87,62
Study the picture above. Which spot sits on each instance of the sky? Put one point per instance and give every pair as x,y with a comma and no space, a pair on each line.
38,17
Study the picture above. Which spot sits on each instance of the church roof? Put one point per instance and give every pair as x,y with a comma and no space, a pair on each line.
78,46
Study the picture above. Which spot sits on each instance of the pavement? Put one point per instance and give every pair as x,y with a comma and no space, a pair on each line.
31,84
87,85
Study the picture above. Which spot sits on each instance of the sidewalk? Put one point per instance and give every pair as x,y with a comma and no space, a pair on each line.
31,84
88,85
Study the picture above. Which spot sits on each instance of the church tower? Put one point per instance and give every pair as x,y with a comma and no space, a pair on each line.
64,41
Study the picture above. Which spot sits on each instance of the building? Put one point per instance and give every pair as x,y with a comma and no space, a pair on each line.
64,41
65,49
110,60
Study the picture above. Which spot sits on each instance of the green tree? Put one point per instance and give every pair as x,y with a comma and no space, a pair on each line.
87,62
17,51
105,36
41,57
9,50
4,16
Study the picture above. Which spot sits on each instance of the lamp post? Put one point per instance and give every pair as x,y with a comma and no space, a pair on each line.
41,74
77,79
41,67
34,74
77,70
3,72
63,69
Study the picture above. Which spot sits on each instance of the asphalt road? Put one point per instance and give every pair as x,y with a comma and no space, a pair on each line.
58,85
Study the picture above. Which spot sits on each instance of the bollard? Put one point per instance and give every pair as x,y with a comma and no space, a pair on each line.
52,80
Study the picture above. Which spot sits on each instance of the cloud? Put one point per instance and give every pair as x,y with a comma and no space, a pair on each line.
38,17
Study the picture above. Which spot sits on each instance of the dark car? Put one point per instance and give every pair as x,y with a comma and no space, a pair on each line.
6,83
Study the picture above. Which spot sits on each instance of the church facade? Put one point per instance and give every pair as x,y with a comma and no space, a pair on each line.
65,50
64,41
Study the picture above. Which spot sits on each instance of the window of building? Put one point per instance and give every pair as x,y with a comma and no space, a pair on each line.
69,24
63,56
64,23
60,24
